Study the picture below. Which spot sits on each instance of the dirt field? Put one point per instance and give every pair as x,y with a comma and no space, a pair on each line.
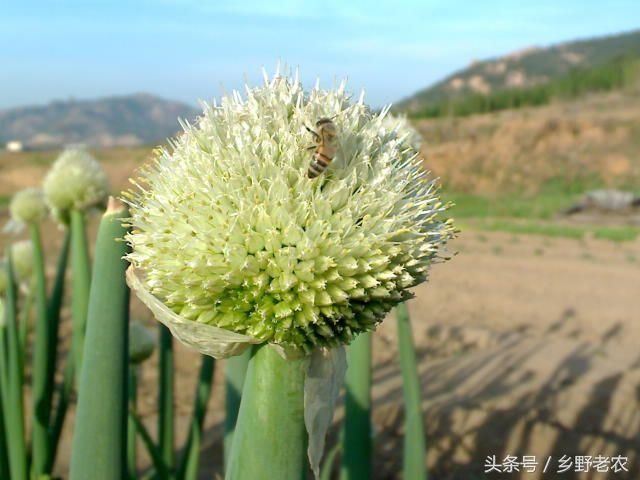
571,145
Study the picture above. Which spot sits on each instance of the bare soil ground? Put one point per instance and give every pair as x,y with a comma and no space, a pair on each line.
528,150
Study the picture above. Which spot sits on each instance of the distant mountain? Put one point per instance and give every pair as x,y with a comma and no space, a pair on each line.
106,122
525,68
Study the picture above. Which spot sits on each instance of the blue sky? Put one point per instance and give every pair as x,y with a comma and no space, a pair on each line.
191,50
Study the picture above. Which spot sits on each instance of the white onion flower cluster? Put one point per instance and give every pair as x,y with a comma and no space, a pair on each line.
75,181
22,257
27,207
229,231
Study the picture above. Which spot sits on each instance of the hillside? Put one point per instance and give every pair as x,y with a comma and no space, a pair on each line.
131,120
525,68
574,146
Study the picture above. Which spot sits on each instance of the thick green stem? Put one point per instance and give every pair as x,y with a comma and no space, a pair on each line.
132,392
165,399
4,435
12,394
42,383
80,283
4,459
270,440
191,456
54,307
152,449
24,324
99,440
53,312
415,450
235,370
357,446
64,396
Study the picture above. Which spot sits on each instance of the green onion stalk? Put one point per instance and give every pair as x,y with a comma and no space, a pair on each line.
80,283
188,469
357,452
100,434
54,307
42,382
141,346
28,207
415,451
24,323
11,380
237,241
4,459
166,399
274,386
234,374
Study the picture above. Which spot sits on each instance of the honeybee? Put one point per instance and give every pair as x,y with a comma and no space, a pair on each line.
325,147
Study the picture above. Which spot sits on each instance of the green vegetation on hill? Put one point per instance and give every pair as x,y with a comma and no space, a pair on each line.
612,75
525,68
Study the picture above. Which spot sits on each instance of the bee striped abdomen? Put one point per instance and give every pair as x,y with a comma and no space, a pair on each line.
325,147
318,165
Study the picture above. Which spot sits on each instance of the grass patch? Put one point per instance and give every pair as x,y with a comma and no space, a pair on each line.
543,206
615,234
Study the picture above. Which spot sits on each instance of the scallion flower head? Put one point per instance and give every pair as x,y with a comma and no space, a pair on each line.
229,231
27,207
22,257
76,181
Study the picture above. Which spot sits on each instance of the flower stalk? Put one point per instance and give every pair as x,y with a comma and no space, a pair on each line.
235,370
102,395
11,372
166,399
270,438
132,399
141,346
42,380
53,312
188,469
357,441
80,283
415,450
